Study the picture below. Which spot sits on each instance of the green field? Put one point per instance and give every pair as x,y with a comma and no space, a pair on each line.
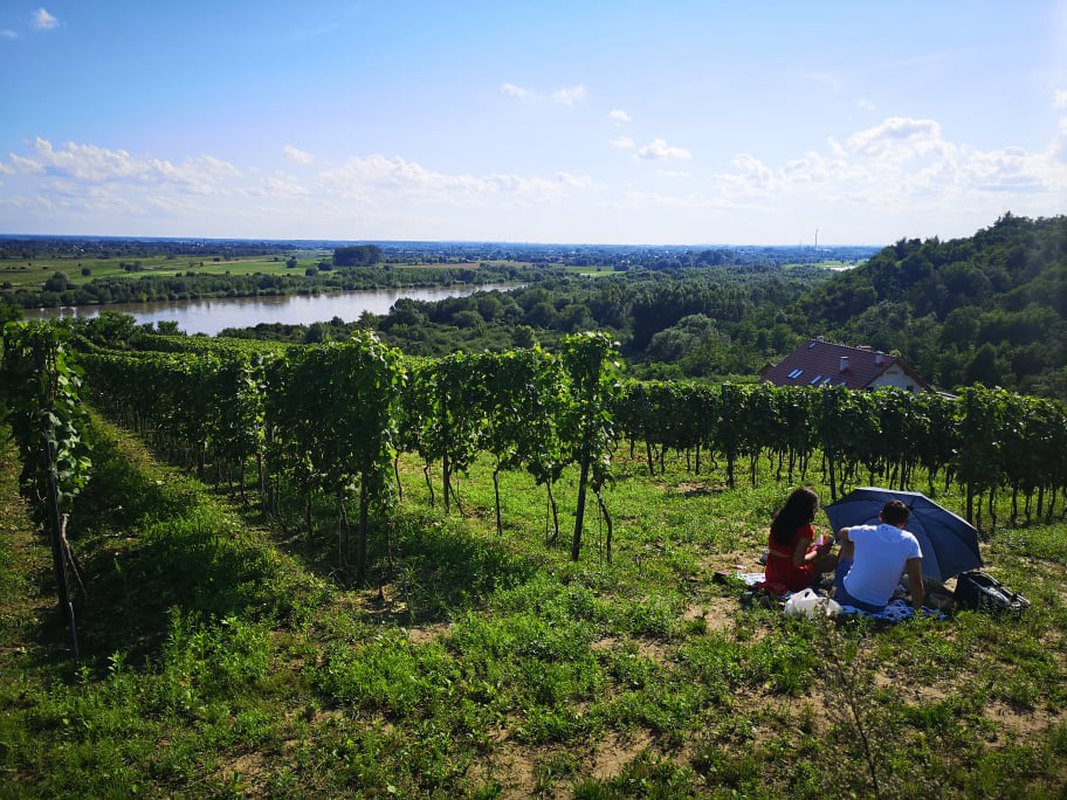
33,274
221,660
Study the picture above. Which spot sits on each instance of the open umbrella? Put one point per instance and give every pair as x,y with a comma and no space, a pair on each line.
949,542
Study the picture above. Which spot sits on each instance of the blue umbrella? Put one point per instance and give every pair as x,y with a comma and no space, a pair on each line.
949,542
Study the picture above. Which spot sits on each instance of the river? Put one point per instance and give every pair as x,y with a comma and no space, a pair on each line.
212,315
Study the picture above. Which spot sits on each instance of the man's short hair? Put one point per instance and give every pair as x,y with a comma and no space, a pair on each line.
895,512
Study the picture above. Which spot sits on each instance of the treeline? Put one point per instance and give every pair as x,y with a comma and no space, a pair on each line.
193,285
989,309
677,324
35,248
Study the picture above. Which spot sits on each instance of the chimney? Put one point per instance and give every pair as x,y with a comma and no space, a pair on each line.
878,357
844,364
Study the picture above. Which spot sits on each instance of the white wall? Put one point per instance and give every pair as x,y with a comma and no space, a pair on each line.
895,376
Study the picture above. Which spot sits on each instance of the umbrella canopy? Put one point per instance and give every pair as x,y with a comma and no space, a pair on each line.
949,542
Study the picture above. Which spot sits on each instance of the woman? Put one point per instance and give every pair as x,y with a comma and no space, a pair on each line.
793,560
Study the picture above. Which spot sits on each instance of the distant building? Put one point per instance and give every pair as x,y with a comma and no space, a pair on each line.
818,362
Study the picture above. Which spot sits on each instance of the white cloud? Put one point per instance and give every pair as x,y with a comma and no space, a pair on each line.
43,20
673,173
381,178
902,135
659,149
904,165
1059,100
299,156
623,143
517,91
91,164
281,186
569,95
618,116
8,34
866,105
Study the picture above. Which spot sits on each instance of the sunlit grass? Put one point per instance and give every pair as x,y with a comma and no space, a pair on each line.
479,664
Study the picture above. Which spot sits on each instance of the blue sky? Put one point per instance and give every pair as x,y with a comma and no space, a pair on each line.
616,122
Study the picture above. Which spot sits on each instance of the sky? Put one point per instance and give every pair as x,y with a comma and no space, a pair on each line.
627,122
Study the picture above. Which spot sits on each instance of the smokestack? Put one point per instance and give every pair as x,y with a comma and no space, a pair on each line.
844,364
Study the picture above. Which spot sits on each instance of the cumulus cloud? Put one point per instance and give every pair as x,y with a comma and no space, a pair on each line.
299,156
904,164
659,149
8,34
281,186
1059,99
569,95
517,91
623,143
618,116
866,105
902,135
363,178
90,164
42,20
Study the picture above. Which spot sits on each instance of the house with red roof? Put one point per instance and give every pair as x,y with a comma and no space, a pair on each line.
819,363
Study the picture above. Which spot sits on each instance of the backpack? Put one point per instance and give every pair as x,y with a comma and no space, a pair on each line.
978,591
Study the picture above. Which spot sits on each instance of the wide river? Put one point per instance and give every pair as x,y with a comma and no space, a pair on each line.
211,316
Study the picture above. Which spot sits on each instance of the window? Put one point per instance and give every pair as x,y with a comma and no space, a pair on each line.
795,373
815,380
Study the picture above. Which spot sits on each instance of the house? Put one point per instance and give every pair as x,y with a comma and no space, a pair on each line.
818,362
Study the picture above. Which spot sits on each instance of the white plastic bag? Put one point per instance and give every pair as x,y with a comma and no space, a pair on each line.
807,603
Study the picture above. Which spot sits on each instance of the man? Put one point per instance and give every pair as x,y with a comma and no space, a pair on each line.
873,558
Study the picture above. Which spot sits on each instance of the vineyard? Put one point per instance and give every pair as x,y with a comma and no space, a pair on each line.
370,471
335,417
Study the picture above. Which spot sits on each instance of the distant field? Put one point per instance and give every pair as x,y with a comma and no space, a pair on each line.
33,274
830,263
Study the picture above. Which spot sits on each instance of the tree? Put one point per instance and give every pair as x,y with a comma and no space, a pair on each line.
361,255
59,282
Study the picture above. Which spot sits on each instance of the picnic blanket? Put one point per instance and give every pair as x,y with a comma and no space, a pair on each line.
895,611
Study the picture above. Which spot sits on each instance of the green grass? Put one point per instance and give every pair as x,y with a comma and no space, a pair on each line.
33,274
221,660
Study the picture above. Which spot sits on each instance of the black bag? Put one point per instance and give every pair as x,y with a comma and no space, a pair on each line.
980,592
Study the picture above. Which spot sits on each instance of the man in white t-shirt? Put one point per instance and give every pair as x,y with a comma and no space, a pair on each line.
873,558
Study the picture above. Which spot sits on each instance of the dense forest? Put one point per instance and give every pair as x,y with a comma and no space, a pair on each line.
990,309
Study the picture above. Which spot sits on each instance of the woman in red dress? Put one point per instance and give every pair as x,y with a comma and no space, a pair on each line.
793,558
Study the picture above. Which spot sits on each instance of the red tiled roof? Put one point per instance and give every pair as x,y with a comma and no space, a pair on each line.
818,363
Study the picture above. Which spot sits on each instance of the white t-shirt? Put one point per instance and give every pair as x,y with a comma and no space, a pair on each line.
880,556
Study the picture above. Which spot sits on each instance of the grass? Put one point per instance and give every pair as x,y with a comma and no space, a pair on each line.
220,659
33,274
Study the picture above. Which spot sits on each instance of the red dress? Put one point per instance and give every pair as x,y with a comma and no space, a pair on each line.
780,567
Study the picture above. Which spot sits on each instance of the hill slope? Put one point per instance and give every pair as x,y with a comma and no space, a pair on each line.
991,308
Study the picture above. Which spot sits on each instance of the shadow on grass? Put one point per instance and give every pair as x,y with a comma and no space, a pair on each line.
438,567
150,540
421,565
